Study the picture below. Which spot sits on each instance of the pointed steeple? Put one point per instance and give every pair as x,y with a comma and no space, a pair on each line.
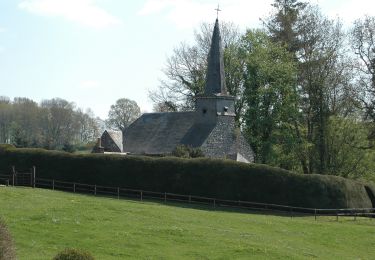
215,78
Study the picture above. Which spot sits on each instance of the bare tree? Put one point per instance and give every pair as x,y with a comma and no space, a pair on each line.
363,44
185,69
123,113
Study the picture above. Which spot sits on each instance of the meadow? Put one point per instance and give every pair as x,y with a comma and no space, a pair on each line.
44,222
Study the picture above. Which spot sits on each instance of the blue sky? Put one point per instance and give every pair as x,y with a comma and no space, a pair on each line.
93,52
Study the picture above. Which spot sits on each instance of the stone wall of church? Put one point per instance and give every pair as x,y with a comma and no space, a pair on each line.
221,139
226,141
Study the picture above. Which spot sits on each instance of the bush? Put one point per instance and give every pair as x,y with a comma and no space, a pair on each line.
7,251
73,254
222,179
184,151
69,148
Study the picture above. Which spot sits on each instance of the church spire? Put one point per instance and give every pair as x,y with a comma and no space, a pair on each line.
215,78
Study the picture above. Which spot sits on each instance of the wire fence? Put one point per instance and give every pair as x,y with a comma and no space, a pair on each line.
122,193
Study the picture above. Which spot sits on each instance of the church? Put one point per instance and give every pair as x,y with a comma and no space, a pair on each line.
210,127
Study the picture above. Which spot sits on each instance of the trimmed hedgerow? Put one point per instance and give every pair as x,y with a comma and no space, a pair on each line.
223,179
7,251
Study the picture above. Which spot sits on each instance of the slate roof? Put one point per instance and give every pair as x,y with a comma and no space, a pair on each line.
157,133
116,137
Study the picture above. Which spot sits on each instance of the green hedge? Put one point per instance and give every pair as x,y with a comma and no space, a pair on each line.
222,179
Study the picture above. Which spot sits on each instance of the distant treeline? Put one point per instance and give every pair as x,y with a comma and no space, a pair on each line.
52,124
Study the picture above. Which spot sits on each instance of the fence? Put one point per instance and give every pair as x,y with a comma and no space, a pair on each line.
118,192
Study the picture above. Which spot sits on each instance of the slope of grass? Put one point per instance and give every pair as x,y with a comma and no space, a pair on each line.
44,222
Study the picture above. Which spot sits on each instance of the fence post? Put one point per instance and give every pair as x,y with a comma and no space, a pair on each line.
95,189
189,198
74,187
141,195
34,171
118,192
315,214
13,174
291,212
7,182
214,203
165,197
53,184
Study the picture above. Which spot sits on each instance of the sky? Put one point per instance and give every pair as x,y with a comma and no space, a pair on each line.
93,52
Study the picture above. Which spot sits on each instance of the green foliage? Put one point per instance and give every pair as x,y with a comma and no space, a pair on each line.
7,251
128,229
347,144
223,179
73,254
184,151
270,97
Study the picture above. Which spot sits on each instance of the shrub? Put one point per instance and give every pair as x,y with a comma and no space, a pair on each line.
7,251
69,148
184,151
73,254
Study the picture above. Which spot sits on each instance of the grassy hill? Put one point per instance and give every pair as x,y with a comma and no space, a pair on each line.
44,222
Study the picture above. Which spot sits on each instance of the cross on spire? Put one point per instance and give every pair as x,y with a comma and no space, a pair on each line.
217,11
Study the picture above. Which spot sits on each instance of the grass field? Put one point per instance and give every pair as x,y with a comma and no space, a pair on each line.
44,222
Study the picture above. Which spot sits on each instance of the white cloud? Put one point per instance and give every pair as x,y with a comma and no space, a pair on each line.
84,12
89,84
189,13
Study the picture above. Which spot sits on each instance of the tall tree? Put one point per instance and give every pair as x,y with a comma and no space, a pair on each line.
59,126
363,43
323,81
123,113
282,25
270,99
5,119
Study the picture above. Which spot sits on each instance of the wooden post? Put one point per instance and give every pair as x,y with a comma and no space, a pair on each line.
34,173
74,187
13,174
291,212
95,189
118,193
141,195
189,198
53,184
315,214
165,197
7,182
214,203
337,215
